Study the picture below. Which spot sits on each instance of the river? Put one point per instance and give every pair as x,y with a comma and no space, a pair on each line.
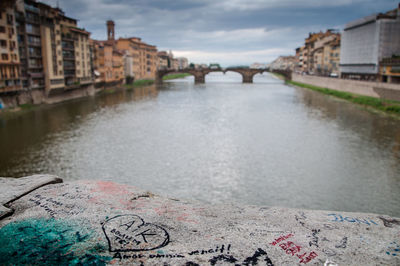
264,143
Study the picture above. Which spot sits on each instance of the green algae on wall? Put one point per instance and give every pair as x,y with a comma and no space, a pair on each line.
49,241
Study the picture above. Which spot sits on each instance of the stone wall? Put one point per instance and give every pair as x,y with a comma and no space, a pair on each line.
374,89
98,222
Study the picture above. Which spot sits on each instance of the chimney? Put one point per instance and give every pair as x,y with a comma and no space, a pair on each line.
110,30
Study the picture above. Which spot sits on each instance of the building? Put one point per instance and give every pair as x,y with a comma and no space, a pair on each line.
55,53
326,54
108,63
258,66
142,57
164,61
366,42
10,82
283,63
183,62
389,70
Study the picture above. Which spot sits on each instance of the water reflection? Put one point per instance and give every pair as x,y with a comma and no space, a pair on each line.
220,142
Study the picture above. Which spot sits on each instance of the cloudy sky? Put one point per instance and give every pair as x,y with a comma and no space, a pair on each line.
230,32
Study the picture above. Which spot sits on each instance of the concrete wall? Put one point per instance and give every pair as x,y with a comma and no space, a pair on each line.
373,89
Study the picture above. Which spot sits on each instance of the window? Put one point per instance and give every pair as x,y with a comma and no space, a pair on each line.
61,72
60,63
3,43
4,56
10,19
2,29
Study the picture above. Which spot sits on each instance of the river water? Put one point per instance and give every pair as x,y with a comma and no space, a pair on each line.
220,142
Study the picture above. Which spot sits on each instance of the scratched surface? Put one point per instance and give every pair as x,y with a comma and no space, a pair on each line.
99,223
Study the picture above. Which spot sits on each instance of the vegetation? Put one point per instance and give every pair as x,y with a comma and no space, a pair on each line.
388,106
138,83
175,76
26,106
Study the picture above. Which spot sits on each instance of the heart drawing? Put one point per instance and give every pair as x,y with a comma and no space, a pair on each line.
130,233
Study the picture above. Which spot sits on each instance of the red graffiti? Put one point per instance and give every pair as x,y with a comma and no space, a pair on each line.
293,249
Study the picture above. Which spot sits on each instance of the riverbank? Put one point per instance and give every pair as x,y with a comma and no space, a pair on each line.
101,222
176,76
387,106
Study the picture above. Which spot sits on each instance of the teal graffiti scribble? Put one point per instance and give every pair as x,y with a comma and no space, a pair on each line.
49,242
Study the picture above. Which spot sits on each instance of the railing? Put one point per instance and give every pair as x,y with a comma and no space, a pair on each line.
32,8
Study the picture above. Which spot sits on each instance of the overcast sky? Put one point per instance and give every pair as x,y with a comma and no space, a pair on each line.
230,32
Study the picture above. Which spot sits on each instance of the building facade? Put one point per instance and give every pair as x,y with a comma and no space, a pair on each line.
10,82
366,42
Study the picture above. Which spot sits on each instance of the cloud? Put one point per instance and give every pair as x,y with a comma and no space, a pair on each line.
222,28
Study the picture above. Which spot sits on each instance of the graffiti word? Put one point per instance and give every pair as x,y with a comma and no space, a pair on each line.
342,244
393,249
131,233
294,250
55,207
281,238
208,251
389,222
340,218
314,241
252,260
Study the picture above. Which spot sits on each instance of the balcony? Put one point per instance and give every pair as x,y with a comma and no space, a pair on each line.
12,88
31,8
34,66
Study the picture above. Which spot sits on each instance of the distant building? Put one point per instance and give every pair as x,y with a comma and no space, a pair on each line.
258,66
283,63
164,61
129,57
183,62
9,59
389,70
366,42
326,54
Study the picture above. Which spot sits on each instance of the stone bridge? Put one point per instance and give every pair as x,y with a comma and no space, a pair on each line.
199,74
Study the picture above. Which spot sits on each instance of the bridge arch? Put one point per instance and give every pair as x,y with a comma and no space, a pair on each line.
199,74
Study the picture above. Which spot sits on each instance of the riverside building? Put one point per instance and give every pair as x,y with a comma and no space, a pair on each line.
366,42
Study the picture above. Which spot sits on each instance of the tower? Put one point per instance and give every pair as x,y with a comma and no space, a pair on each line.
110,30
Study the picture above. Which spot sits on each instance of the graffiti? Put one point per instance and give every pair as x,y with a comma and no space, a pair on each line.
342,243
56,207
209,251
224,258
393,249
49,241
340,218
389,222
253,260
281,238
292,249
314,240
131,233
301,218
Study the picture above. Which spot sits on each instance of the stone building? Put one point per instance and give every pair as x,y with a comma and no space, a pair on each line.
10,82
55,54
108,63
163,60
283,63
183,62
366,42
141,56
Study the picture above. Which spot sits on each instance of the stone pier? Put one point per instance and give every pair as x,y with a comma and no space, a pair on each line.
44,221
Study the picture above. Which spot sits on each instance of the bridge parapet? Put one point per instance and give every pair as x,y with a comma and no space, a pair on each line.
199,74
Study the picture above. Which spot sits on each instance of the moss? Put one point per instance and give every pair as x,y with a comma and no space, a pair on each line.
388,106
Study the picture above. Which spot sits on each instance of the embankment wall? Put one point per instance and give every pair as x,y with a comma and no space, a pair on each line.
374,89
